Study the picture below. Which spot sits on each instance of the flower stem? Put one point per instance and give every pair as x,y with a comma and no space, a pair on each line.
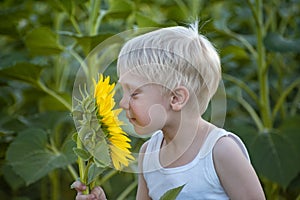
75,25
243,86
81,166
131,187
72,171
54,95
283,96
94,12
108,176
262,69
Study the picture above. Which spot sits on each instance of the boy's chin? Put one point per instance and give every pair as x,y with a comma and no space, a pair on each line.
144,132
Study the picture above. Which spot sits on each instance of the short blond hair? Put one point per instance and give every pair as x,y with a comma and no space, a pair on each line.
175,56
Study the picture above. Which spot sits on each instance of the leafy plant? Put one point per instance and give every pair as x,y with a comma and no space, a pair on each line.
45,43
265,87
172,194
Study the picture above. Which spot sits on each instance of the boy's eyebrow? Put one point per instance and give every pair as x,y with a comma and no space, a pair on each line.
125,84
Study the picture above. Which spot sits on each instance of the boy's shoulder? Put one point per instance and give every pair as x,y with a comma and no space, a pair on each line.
144,147
155,137
229,146
219,139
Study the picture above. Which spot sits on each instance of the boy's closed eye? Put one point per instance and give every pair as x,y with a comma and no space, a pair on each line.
133,94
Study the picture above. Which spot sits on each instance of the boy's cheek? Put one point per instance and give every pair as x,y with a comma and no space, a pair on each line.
157,114
154,118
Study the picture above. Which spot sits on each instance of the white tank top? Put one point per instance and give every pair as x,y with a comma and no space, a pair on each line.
199,176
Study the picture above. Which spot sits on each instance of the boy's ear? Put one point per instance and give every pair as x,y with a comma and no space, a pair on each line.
179,97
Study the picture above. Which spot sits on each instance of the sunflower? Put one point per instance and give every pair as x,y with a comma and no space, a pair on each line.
117,139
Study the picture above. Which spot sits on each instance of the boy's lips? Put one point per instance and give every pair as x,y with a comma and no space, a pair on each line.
131,119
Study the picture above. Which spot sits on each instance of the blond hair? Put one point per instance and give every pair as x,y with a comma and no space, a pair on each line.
175,56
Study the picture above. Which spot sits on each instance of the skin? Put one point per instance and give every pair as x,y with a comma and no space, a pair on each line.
149,109
238,178
96,194
144,103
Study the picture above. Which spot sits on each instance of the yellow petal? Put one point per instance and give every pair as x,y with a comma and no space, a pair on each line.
119,142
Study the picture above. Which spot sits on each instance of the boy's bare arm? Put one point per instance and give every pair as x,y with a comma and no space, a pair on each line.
142,191
235,172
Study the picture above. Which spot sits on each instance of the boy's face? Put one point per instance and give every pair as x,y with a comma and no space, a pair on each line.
145,103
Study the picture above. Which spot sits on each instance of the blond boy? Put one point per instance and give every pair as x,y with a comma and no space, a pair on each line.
168,77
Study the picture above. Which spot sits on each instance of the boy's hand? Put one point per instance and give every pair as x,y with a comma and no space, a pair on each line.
96,194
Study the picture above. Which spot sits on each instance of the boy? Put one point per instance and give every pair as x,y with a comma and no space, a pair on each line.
168,77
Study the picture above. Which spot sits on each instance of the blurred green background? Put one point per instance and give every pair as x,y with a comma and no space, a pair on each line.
43,43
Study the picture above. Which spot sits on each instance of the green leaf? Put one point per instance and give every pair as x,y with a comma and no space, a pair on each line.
234,52
88,43
119,9
10,124
221,15
145,21
120,5
42,41
275,157
7,97
291,129
50,121
68,6
99,163
74,136
101,154
31,159
14,181
85,155
67,150
278,43
172,194
94,173
26,72
49,103
176,13
9,18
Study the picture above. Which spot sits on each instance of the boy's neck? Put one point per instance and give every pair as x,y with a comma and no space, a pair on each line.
185,130
181,146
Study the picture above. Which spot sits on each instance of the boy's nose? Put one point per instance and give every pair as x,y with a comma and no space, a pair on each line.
124,103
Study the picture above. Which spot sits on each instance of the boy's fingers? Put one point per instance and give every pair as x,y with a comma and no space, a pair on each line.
86,197
99,193
77,185
96,194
